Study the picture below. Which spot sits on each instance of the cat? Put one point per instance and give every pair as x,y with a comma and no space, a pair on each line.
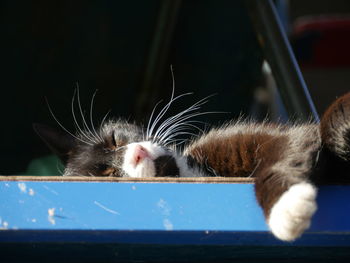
288,161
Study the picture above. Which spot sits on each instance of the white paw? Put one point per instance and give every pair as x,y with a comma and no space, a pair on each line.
291,215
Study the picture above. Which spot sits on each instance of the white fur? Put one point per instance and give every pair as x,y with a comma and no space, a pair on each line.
185,170
146,167
291,215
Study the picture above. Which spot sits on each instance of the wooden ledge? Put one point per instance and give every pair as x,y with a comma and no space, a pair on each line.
128,180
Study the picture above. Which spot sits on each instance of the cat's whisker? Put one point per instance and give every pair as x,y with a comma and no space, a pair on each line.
149,131
64,128
91,118
176,143
150,120
184,125
104,119
164,110
177,134
88,132
80,130
193,107
187,112
175,121
168,122
181,122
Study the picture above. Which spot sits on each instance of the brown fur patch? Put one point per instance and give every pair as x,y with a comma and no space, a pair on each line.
237,155
335,125
248,154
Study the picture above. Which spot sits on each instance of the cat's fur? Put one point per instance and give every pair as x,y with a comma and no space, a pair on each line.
287,161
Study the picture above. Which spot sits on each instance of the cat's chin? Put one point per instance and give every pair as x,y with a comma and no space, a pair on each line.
139,159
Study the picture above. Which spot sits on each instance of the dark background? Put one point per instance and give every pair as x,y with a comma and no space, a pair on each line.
111,46
124,49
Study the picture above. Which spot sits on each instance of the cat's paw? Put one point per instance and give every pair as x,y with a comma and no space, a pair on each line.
291,215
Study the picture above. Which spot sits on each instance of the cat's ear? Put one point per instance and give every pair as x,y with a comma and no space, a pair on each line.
59,142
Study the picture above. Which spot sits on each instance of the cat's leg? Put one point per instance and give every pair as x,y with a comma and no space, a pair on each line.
288,204
291,215
335,127
282,187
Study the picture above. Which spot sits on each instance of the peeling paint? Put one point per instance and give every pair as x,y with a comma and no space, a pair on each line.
31,192
51,211
133,187
167,224
22,187
163,205
106,208
51,214
4,225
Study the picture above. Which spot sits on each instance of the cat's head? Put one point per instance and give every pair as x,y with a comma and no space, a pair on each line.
117,148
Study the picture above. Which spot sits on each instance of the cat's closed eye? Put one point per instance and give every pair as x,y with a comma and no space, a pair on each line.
112,143
105,170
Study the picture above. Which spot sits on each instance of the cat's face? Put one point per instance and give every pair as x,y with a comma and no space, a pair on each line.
117,149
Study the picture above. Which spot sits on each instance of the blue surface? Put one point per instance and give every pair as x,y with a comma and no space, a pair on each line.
149,212
129,206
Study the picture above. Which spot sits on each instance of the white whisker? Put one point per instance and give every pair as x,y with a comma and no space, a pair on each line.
150,120
64,128
180,122
184,115
91,118
104,119
80,130
164,110
88,132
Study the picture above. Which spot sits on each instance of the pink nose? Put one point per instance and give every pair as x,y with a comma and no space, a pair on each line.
140,153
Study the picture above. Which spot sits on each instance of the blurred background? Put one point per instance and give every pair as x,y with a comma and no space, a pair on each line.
125,49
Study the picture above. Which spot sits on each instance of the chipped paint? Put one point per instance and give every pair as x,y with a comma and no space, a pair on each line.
22,187
31,192
51,214
133,187
4,225
106,208
165,208
167,224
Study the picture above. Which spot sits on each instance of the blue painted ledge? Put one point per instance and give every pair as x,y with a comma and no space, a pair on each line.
171,213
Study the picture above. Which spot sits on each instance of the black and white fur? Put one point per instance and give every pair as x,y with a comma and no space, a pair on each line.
287,161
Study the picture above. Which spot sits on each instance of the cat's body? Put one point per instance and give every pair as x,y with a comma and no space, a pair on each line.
287,161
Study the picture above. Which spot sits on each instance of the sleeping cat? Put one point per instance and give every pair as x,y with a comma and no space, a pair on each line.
287,161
